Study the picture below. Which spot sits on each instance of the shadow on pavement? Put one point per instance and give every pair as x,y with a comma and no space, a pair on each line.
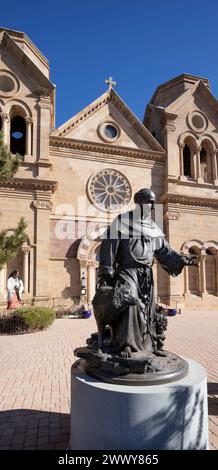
33,429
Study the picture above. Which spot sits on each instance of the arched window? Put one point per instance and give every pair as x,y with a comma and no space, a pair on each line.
203,163
18,135
206,152
210,270
193,273
187,160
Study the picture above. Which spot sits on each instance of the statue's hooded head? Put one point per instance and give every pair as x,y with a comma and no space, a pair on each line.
145,196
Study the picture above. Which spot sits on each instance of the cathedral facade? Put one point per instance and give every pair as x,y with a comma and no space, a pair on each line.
73,180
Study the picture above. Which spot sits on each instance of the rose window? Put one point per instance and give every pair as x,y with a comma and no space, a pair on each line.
110,190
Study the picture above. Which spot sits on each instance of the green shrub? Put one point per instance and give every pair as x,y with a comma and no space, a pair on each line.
36,318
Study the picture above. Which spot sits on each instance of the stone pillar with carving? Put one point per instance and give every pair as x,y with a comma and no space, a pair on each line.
29,122
203,274
214,166
6,129
42,206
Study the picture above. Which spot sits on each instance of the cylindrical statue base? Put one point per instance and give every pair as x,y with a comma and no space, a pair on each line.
171,416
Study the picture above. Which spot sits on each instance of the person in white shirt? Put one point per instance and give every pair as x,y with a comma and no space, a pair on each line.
15,289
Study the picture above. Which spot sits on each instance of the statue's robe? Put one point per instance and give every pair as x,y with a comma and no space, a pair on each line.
128,249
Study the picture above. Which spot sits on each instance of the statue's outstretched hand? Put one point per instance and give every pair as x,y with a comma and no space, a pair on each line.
190,260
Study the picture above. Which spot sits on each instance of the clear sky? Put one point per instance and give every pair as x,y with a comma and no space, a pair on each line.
140,43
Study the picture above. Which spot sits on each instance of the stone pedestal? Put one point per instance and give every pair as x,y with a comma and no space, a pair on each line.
171,416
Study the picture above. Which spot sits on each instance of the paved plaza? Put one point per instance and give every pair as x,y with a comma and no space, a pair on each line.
35,377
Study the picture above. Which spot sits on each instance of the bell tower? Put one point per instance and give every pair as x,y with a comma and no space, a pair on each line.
26,99
27,116
183,115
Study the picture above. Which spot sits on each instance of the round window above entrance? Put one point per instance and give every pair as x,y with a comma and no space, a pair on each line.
109,131
109,190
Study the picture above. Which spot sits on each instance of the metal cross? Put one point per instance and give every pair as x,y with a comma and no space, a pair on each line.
109,81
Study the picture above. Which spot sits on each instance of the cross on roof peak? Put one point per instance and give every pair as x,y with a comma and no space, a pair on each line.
109,81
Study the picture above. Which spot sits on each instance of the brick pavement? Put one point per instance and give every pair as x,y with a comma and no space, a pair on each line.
35,377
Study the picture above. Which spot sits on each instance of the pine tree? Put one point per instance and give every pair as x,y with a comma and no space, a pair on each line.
9,163
11,239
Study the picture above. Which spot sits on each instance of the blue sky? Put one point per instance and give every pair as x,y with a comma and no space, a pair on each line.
141,43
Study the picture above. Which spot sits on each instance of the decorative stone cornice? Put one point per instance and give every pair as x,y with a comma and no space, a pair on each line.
27,183
189,200
43,162
29,162
64,142
192,183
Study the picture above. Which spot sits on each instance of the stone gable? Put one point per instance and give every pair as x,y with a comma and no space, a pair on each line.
88,125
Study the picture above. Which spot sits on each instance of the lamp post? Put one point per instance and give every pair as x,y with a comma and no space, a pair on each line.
83,285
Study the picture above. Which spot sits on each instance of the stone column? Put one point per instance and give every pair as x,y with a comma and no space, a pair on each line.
31,274
203,275
194,164
91,282
216,287
3,282
42,205
181,162
199,279
29,136
6,129
214,167
26,251
186,274
198,166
